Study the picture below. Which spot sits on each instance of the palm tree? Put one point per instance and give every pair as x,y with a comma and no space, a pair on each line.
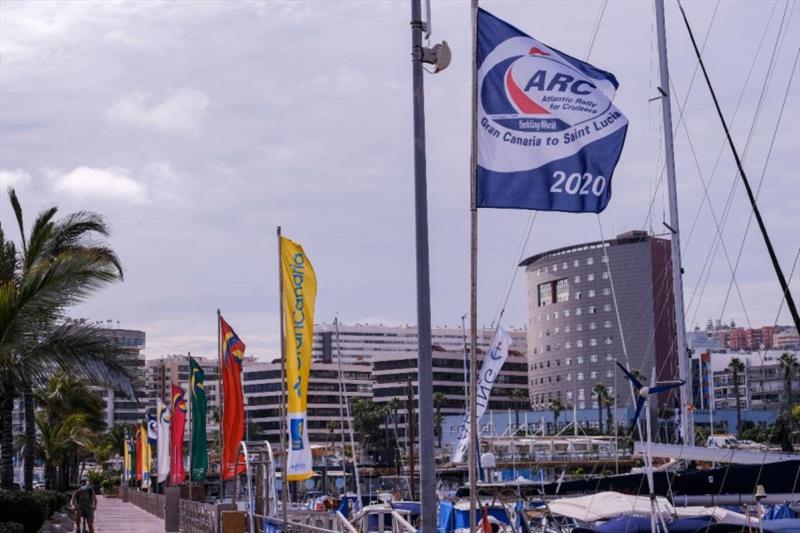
789,365
736,366
519,397
332,426
599,390
609,401
439,401
62,263
55,439
556,407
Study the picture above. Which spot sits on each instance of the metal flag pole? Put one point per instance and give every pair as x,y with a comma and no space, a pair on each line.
473,274
427,461
191,419
675,240
221,400
284,452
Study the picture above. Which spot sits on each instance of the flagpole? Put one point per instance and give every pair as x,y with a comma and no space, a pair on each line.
473,274
191,418
427,460
220,399
284,451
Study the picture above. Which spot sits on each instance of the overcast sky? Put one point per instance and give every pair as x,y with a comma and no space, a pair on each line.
196,128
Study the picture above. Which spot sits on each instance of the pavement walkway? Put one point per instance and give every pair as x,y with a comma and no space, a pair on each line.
114,516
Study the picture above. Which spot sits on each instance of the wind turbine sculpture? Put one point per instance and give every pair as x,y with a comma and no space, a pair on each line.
643,394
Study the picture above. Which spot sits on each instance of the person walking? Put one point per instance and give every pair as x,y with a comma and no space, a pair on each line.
85,501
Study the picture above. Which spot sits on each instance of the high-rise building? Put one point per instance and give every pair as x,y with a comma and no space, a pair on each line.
580,324
326,403
164,371
362,342
119,409
394,373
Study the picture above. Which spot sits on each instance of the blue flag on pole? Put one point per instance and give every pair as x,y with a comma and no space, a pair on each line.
549,135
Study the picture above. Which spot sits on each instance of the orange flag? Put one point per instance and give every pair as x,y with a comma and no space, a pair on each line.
232,350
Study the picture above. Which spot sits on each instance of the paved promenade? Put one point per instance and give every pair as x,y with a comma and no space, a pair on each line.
113,516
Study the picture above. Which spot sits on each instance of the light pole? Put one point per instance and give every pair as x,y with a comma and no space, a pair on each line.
439,56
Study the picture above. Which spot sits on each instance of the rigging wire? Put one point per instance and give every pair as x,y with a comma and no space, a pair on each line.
705,271
745,181
761,180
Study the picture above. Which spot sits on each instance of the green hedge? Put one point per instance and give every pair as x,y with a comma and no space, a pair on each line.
30,509
11,527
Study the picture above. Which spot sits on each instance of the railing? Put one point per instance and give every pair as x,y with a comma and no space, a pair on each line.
152,503
197,517
301,520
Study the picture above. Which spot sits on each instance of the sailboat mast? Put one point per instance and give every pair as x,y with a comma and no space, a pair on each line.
686,428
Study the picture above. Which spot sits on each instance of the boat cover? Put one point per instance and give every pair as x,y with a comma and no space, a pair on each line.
605,505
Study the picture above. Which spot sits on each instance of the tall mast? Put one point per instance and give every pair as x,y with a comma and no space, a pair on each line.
675,241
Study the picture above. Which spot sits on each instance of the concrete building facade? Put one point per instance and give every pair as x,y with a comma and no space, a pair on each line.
164,371
119,409
262,396
362,342
574,330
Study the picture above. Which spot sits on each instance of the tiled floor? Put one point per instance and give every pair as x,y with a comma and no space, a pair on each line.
113,516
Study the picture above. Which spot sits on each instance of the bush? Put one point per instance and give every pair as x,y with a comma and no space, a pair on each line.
27,508
55,500
11,527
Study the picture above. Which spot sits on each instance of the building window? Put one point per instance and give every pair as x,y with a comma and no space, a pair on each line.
545,294
609,340
607,307
609,374
592,294
592,309
592,325
577,295
577,279
593,374
580,376
555,267
566,313
566,328
578,311
606,291
607,324
567,345
568,361
564,265
555,317
605,274
569,394
579,326
593,358
579,343
589,277
580,359
555,331
592,342
609,357
590,261
581,405
604,259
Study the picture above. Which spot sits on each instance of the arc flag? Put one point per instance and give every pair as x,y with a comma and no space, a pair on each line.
126,458
299,283
162,441
177,472
198,460
490,369
144,458
232,353
548,133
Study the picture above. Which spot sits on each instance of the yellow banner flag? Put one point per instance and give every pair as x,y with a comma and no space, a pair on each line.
299,293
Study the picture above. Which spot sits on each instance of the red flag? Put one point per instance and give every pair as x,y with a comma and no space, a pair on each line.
232,351
176,471
139,453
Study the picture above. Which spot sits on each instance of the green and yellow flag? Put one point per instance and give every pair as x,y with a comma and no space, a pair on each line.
199,406
299,293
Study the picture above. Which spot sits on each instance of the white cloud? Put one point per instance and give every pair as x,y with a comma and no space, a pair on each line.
13,177
107,183
179,113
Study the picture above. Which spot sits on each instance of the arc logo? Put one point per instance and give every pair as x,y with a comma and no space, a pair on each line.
540,92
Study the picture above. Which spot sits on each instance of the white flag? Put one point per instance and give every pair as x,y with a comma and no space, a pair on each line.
492,363
163,417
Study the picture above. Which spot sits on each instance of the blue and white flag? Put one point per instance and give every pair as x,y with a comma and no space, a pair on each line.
152,428
549,135
490,369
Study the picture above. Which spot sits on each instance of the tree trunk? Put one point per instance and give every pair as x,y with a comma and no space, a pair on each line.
608,419
30,438
738,407
600,416
6,435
